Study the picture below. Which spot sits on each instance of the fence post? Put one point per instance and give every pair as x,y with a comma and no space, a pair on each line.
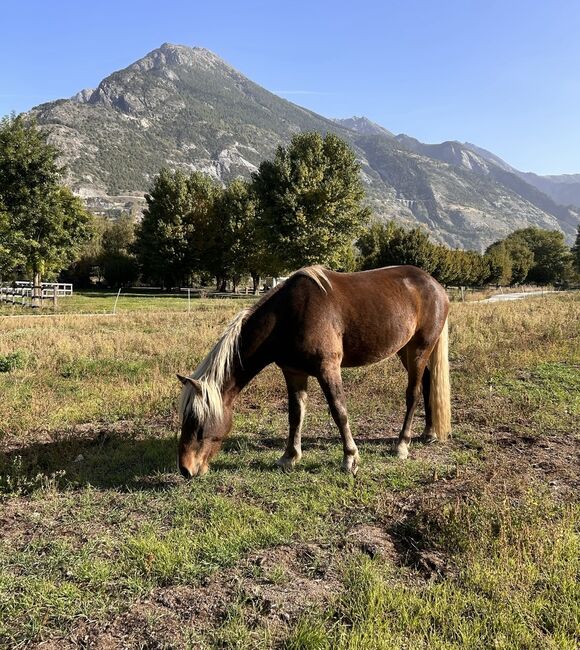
116,301
54,295
36,290
188,300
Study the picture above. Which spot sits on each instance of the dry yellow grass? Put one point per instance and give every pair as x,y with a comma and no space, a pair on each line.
79,369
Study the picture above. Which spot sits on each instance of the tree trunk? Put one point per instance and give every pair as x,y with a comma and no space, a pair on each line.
256,282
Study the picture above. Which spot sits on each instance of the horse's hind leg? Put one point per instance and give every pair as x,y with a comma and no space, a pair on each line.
297,385
416,362
427,435
330,381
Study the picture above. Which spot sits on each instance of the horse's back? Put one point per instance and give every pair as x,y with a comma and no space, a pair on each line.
383,309
361,317
390,283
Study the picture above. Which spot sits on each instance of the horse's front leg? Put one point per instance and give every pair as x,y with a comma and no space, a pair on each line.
330,381
297,385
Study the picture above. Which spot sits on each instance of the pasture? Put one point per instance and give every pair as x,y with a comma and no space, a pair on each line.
470,544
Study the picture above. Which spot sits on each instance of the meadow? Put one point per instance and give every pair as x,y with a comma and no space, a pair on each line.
470,544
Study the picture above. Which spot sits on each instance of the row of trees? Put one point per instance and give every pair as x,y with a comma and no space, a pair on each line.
304,206
527,255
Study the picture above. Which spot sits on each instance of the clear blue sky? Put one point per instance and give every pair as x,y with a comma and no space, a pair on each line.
503,74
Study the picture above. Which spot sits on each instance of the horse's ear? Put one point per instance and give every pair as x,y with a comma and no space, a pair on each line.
189,380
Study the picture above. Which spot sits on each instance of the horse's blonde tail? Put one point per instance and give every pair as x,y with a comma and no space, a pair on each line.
440,393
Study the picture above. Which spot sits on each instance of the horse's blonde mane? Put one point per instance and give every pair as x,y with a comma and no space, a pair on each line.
316,273
203,399
211,373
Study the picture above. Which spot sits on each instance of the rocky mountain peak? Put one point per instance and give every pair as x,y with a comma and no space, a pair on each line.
83,95
363,126
142,87
170,55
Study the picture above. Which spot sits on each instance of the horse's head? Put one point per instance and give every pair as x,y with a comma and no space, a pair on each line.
205,422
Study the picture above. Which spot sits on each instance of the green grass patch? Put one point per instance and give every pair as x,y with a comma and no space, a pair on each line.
514,585
549,391
12,361
173,535
83,367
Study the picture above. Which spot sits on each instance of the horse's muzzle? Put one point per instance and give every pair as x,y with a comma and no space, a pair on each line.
185,472
198,470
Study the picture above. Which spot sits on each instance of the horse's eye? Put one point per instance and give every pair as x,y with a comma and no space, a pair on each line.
199,434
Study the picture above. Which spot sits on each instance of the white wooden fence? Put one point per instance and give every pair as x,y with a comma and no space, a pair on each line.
23,293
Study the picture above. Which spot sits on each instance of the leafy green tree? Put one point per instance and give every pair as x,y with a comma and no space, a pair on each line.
500,264
374,241
449,269
510,261
170,240
470,269
310,202
10,257
576,252
390,244
119,235
119,265
87,265
235,246
412,247
552,261
47,223
521,258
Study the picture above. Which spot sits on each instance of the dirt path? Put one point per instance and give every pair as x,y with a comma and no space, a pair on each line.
501,297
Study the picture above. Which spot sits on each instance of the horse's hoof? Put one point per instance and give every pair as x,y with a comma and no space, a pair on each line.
402,451
350,464
287,462
428,439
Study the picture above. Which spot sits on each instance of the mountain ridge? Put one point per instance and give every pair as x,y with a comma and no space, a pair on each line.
563,189
186,108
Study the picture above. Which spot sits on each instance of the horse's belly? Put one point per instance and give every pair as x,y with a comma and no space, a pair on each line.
362,352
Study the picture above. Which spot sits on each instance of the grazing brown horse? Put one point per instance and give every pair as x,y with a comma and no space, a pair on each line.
313,324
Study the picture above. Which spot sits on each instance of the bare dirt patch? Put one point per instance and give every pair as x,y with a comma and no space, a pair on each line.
274,586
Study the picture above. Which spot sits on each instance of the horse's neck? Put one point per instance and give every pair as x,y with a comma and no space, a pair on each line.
252,355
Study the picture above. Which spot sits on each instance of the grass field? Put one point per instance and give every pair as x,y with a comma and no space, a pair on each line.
99,302
471,544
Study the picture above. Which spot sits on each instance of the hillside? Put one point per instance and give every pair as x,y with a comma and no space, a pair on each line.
485,164
562,188
186,108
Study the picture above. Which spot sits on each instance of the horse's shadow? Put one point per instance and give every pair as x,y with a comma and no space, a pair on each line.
107,460
124,461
